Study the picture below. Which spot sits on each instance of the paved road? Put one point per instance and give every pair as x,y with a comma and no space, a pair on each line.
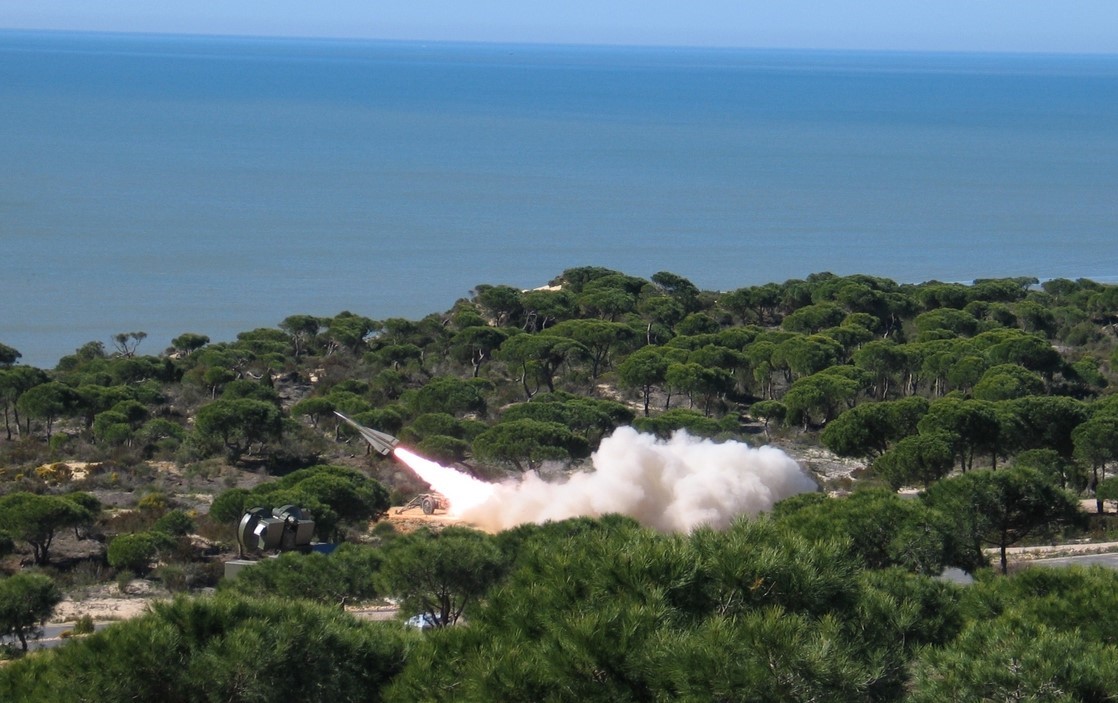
1110,561
52,636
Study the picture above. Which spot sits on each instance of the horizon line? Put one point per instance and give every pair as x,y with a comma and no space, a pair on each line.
573,44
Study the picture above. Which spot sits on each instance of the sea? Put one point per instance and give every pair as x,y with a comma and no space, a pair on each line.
171,184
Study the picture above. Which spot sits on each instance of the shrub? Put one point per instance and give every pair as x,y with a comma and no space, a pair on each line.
84,625
176,523
174,577
123,578
135,552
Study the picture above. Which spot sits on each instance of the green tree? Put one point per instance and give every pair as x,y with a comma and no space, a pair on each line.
315,408
1096,444
126,342
543,308
605,302
504,304
26,600
882,528
759,355
694,423
1078,600
818,399
112,428
612,612
869,429
1064,472
1008,381
697,323
966,372
303,331
450,395
8,356
430,424
539,357
1043,422
238,424
972,425
239,650
931,362
814,318
850,337
589,418
229,506
443,448
88,353
769,411
188,342
599,337
160,434
662,314
94,399
215,377
644,370
346,575
333,494
441,575
48,402
136,551
695,379
347,331
252,389
475,345
13,383
922,458
526,443
1026,350
1107,490
1007,661
686,378
36,520
803,356
678,288
954,321
176,523
1002,508
397,355
756,303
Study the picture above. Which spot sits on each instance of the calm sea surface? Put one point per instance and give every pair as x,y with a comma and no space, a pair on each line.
171,184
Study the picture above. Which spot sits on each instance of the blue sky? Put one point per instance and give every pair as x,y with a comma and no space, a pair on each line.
1088,26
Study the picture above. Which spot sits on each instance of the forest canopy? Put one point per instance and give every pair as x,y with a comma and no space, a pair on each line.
974,418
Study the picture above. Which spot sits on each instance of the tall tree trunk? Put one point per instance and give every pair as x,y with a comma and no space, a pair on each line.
1095,488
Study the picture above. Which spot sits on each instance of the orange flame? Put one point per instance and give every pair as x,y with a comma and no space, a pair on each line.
461,490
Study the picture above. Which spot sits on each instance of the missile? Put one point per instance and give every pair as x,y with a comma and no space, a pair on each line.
381,442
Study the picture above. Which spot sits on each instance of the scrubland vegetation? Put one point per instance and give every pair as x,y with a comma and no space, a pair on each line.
991,399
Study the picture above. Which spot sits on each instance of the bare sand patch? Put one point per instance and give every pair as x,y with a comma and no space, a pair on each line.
106,602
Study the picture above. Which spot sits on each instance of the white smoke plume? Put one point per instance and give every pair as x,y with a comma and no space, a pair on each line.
671,486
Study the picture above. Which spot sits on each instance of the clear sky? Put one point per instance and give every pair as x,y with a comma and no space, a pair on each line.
1088,26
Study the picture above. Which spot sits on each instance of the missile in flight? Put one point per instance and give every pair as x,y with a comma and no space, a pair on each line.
381,442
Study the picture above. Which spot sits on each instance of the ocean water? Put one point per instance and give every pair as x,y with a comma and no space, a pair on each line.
214,185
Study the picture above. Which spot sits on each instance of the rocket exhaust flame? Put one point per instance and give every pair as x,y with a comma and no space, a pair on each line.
671,486
462,491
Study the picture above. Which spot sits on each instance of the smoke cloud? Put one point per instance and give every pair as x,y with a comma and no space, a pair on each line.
671,486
